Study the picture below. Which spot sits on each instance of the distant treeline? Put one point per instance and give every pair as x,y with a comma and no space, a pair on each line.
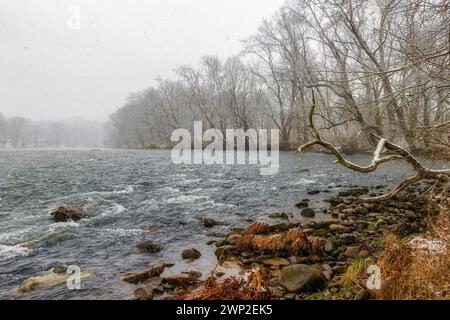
375,67
18,132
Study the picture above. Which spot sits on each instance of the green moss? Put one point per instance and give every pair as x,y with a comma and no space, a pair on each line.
349,282
377,243
315,296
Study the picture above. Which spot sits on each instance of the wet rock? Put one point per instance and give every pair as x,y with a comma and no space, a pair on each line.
180,281
302,204
26,244
349,211
280,227
276,261
149,246
334,201
45,281
353,192
339,228
66,212
325,223
299,278
195,275
217,234
278,215
361,210
313,192
136,277
232,238
308,212
339,269
143,293
191,254
59,269
348,238
329,246
209,223
225,251
352,252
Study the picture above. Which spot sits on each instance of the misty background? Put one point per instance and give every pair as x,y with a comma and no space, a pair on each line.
62,78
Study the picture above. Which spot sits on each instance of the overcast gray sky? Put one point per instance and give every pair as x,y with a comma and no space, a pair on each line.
51,69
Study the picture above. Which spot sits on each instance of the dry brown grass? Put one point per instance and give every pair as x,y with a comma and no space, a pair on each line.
419,268
258,227
249,287
294,242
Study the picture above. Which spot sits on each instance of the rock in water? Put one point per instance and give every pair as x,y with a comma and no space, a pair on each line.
302,204
149,246
143,293
300,278
136,277
308,212
190,254
209,223
66,212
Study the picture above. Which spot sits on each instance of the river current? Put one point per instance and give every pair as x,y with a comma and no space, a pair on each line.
131,196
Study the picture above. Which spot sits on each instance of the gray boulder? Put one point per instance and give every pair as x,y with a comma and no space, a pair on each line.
300,278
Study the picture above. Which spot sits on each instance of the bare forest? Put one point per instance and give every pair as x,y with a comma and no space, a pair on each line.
375,67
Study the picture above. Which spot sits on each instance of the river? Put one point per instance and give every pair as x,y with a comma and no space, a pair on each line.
126,192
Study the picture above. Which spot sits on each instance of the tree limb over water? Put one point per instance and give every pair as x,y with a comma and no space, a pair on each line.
422,172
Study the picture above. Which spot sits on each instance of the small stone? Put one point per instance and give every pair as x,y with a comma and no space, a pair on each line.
233,238
280,227
60,269
361,210
339,228
66,212
362,294
136,277
224,251
302,204
191,254
149,246
329,246
143,293
209,223
352,252
178,281
308,212
348,238
276,261
339,269
299,278
363,254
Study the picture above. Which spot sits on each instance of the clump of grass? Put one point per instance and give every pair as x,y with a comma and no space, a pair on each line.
420,272
258,227
293,242
249,287
351,281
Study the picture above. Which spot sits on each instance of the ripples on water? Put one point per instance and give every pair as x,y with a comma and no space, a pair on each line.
125,193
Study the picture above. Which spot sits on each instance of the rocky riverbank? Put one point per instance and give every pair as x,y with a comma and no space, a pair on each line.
292,260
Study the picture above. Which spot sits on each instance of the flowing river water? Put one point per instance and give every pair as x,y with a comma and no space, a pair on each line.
126,192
